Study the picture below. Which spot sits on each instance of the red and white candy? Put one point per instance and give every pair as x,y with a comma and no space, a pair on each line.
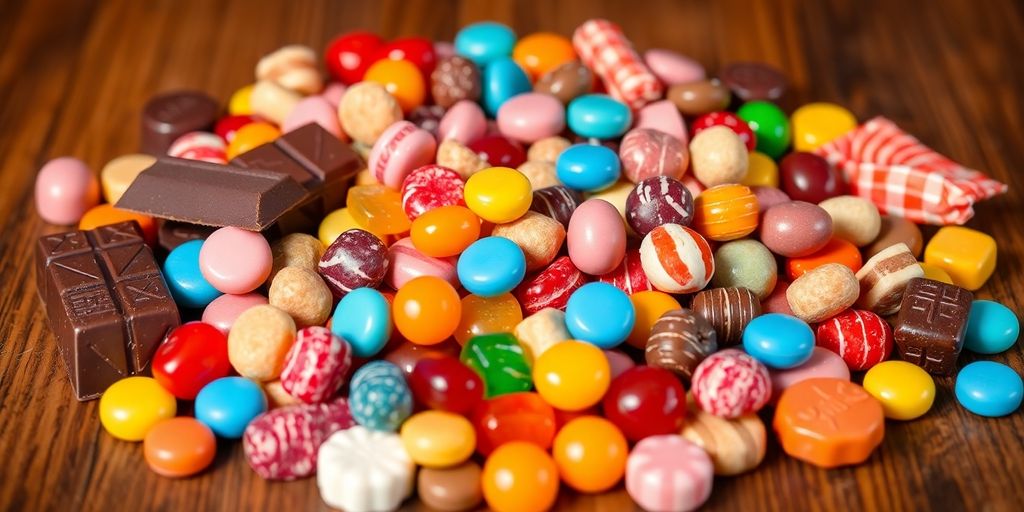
730,384
604,49
669,473
860,337
551,287
282,444
629,276
202,146
429,187
677,259
316,365
400,149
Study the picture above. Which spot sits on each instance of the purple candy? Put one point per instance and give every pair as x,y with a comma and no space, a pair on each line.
657,201
557,202
356,259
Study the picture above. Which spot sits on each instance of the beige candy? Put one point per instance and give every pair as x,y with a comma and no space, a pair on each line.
540,173
366,110
884,277
120,172
296,250
541,331
258,342
616,195
273,102
547,149
823,292
277,396
734,445
539,236
301,293
854,219
293,67
457,157
718,156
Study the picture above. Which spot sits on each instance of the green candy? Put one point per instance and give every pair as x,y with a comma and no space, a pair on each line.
770,124
500,362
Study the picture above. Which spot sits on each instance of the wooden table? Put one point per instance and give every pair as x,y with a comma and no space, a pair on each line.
74,77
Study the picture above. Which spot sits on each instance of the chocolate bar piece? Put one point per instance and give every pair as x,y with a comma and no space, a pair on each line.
107,303
173,233
930,327
212,194
170,115
318,161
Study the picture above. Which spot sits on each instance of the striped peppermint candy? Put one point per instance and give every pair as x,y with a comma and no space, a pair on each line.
730,384
315,366
629,276
669,473
282,444
202,146
860,337
676,259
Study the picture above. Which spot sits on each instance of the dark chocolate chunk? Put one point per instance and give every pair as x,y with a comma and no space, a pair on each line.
930,327
752,81
106,301
170,115
173,233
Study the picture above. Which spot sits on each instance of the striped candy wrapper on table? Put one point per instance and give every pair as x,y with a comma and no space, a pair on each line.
903,177
604,49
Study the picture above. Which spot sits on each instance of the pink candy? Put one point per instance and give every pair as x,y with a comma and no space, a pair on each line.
400,149
672,68
282,444
313,109
730,384
823,363
65,190
405,263
316,365
235,261
429,187
203,146
596,237
531,117
222,312
604,49
647,153
669,473
664,117
465,122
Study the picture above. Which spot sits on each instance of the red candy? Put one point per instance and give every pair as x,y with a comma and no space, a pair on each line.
737,125
316,365
350,54
445,384
645,401
282,444
429,187
499,151
551,287
193,355
513,417
629,276
861,338
730,384
417,50
406,354
228,126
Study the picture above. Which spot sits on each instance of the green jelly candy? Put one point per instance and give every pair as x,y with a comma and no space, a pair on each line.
500,362
770,124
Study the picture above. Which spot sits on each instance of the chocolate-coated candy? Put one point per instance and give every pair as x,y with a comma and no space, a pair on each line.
171,115
557,202
429,187
700,97
729,310
896,230
357,258
808,177
551,287
795,229
656,201
500,362
566,82
455,78
629,276
427,117
646,153
445,384
451,489
680,339
931,324
645,401
753,81
499,151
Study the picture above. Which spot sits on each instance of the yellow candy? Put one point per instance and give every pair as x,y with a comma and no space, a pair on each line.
338,222
120,172
438,439
649,306
935,273
498,194
905,390
815,124
572,375
378,208
761,171
616,195
239,103
250,136
130,407
365,177
968,256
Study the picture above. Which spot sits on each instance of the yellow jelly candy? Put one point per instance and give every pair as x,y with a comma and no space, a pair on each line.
935,273
120,172
616,195
378,208
905,390
815,124
572,375
438,439
649,306
968,256
498,194
130,407
338,222
239,103
761,171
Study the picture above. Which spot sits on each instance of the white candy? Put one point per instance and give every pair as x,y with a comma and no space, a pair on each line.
364,470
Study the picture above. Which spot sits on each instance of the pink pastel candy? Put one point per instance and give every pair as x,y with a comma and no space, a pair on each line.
530,117
65,190
333,93
234,260
313,109
596,237
618,361
405,263
768,197
202,146
693,185
823,363
672,68
443,49
665,117
669,473
400,149
464,122
315,366
222,312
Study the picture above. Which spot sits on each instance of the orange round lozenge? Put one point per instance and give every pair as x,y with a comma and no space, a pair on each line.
179,447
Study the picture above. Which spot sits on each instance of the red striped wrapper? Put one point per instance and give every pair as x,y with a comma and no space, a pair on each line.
604,49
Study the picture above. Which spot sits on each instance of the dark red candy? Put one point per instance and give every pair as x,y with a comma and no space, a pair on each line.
445,384
227,126
645,401
357,258
417,50
429,187
657,201
551,287
406,354
427,117
499,151
557,202
629,276
192,356
737,125
349,55
754,80
809,177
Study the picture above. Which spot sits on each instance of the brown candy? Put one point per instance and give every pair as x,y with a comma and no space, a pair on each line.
729,310
457,157
451,489
566,82
454,79
754,81
896,230
700,97
680,339
823,292
171,115
735,445
172,233
539,236
884,277
929,330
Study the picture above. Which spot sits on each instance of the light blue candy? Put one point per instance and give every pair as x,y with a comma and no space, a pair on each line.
363,319
380,398
181,271
491,266
987,388
991,328
598,116
601,314
229,404
779,341
502,79
588,167
485,42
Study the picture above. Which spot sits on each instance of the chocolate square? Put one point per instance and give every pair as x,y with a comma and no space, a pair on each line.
929,330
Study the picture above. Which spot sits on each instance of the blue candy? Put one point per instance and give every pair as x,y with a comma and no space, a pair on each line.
991,328
601,314
485,42
779,341
491,266
380,398
181,271
987,388
502,80
598,116
229,404
588,167
363,319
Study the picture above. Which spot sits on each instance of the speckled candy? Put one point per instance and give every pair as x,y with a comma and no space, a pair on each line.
379,396
455,79
728,310
367,110
551,287
730,384
541,331
557,202
629,276
823,292
282,444
596,237
795,229
669,473
657,201
746,264
725,212
548,149
539,236
860,337
677,259
646,153
316,365
718,156
357,258
429,187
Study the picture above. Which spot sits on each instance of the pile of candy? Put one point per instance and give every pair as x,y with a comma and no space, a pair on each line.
500,303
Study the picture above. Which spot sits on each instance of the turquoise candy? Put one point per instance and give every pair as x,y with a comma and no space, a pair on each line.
991,328
598,116
485,42
186,282
588,167
779,341
502,80
380,398
491,266
601,314
987,388
363,319
500,362
770,125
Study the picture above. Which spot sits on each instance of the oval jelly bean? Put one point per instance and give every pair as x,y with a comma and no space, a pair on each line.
363,319
227,405
491,266
531,117
779,341
991,328
192,356
598,116
596,237
502,80
588,167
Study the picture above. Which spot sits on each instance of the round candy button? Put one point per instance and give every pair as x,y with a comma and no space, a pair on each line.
499,194
228,405
520,477
191,357
572,375
485,41
363,319
588,167
426,310
987,388
184,278
779,341
438,439
590,453
491,266
503,79
601,314
991,328
130,407
904,389
234,260
598,116
179,447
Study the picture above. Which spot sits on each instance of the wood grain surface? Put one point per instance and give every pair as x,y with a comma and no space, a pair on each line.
75,74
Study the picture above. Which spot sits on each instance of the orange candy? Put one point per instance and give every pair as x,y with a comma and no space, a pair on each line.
836,251
591,454
725,212
427,310
250,136
829,422
105,214
487,315
179,447
542,52
520,477
402,79
445,231
649,306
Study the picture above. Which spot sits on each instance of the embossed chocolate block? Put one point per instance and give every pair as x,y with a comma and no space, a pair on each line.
929,330
107,303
